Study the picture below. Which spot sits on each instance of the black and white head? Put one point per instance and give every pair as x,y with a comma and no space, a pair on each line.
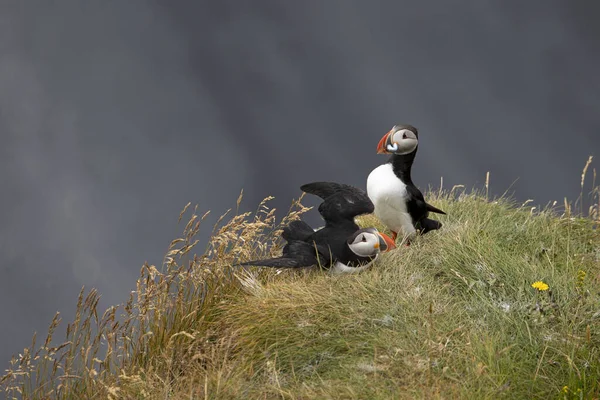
401,139
368,242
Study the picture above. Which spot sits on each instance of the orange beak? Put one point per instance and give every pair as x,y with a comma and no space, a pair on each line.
388,241
381,147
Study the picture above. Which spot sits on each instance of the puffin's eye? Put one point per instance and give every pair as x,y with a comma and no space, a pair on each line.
364,239
404,135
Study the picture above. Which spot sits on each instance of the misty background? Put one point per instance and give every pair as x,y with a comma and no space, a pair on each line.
115,114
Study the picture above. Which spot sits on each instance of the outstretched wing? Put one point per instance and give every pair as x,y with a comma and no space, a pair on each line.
279,262
341,202
296,254
297,230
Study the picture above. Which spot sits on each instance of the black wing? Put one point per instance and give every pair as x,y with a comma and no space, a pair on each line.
296,254
297,230
341,202
420,206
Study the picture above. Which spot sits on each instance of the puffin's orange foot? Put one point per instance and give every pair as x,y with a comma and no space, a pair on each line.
394,235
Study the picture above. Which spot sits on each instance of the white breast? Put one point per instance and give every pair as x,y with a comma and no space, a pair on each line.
340,268
388,193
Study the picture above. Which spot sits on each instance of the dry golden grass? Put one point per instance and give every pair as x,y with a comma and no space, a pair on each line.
453,316
166,328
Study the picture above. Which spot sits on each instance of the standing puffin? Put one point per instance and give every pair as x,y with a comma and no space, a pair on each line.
341,246
399,204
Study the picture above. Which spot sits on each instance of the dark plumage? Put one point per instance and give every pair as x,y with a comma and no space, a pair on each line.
399,204
334,244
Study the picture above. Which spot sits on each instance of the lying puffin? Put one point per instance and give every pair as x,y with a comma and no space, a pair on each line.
399,204
341,246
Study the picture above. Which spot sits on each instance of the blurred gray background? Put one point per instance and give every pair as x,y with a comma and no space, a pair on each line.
115,114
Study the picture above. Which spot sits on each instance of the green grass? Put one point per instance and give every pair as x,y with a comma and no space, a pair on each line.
452,316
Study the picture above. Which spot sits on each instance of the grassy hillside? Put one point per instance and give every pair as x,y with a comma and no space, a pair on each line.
454,315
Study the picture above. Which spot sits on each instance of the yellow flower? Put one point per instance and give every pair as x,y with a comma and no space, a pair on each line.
539,285
580,277
565,389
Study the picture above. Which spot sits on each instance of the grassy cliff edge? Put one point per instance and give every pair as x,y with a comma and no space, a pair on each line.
502,302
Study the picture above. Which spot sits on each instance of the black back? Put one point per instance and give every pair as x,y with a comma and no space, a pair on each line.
305,247
342,203
416,205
